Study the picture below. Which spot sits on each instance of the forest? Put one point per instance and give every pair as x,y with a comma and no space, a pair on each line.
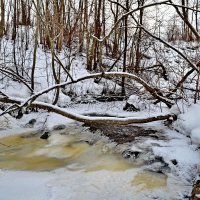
112,65
130,43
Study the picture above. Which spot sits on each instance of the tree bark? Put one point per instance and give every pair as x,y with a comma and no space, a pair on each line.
2,21
92,120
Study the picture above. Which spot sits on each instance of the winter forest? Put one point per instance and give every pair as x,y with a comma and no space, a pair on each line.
99,99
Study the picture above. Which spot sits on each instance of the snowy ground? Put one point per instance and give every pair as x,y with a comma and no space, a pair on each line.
63,185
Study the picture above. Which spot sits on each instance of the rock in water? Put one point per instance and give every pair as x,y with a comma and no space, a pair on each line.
31,123
45,135
128,153
59,127
174,161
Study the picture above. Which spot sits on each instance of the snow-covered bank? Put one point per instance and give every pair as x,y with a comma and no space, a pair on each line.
188,122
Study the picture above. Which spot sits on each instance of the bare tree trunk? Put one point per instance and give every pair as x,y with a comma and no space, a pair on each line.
184,17
196,95
81,27
196,16
14,21
139,35
123,92
97,32
2,21
89,67
115,49
35,49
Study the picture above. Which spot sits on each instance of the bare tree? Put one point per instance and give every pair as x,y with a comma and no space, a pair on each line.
2,20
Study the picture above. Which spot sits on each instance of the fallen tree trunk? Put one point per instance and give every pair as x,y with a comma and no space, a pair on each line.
88,119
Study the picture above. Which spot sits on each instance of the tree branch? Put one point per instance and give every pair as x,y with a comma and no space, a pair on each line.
124,16
5,71
91,120
149,88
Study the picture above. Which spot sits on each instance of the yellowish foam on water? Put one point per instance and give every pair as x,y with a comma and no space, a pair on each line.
20,152
149,181
15,150
32,153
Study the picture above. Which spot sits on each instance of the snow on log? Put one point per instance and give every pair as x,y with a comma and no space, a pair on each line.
88,119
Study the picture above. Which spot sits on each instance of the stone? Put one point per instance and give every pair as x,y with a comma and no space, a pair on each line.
159,167
58,127
31,123
128,153
45,135
174,161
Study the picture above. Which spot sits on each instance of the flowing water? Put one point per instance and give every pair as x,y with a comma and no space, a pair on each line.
76,153
149,180
21,152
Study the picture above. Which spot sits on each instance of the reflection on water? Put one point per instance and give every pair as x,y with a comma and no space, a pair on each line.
32,153
149,181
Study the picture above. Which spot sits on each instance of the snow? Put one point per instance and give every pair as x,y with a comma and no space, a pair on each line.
68,185
137,101
8,122
23,185
17,131
61,185
190,119
53,119
179,150
188,123
195,136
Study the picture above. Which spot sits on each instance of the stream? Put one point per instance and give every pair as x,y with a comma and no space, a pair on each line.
75,154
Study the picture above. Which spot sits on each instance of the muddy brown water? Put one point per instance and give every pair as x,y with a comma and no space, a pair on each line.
32,153
149,180
20,152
